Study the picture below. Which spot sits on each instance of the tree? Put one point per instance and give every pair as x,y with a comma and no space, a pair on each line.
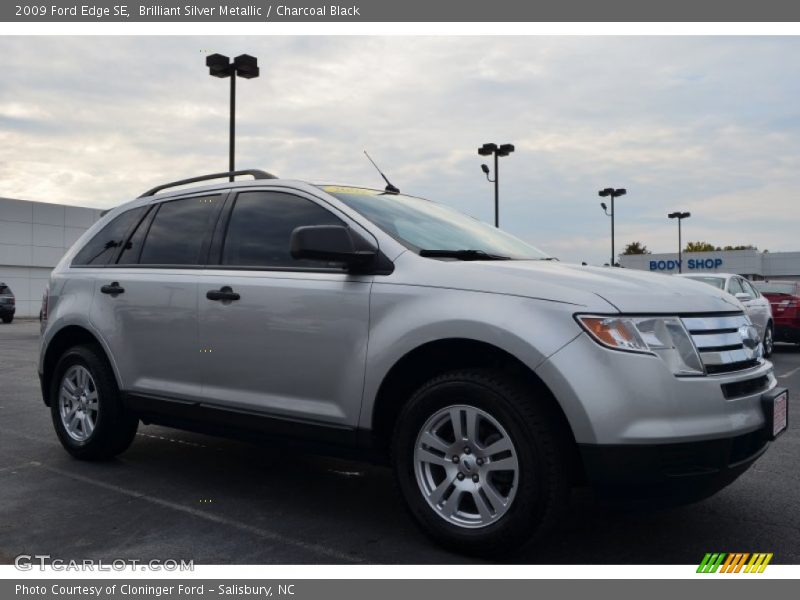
700,247
747,247
636,248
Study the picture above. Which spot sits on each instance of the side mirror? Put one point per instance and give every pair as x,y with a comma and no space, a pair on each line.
744,297
334,243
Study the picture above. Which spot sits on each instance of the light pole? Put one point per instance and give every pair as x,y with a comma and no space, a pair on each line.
245,66
613,193
680,216
498,151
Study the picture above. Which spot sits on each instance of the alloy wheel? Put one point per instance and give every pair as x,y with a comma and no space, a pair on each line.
466,466
768,342
78,403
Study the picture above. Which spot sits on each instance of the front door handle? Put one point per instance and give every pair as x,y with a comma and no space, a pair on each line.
224,293
113,289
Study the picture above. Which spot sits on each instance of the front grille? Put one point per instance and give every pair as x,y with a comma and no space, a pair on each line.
747,387
718,341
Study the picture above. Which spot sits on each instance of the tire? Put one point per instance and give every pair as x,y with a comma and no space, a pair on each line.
535,494
86,369
7,320
769,340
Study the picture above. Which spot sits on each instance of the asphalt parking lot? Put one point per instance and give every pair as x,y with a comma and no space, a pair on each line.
177,495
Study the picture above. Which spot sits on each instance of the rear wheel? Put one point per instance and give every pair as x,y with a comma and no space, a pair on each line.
88,415
7,319
480,462
769,341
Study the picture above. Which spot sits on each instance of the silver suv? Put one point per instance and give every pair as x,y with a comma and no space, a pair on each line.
394,329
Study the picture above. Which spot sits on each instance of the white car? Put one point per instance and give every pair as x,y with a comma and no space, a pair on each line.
757,307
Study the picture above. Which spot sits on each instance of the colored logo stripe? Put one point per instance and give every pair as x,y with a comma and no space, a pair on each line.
710,563
734,562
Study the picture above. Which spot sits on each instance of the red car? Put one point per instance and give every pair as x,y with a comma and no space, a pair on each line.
784,296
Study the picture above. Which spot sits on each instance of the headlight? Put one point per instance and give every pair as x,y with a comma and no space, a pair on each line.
666,337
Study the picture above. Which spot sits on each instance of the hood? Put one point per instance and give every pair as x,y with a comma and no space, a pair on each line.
595,288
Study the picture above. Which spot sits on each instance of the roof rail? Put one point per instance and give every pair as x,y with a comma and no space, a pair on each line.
256,173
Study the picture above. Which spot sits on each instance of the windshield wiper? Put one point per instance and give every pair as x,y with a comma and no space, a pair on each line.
462,254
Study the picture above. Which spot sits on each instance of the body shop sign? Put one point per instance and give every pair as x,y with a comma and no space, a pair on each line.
692,263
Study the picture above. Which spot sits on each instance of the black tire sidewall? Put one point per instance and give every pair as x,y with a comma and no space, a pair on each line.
526,513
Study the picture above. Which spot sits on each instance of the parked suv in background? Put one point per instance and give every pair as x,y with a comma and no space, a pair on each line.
394,329
8,304
784,297
756,306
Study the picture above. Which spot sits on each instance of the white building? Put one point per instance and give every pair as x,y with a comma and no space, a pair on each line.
33,238
752,264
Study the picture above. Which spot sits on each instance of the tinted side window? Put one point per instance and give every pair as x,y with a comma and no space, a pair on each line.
261,226
130,253
178,231
103,246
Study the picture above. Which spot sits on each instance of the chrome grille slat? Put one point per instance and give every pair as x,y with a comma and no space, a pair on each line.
718,342
714,323
726,357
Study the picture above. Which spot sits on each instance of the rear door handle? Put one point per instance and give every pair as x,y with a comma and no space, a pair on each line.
113,289
224,293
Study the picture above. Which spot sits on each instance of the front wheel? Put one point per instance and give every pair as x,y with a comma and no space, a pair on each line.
87,411
481,462
769,341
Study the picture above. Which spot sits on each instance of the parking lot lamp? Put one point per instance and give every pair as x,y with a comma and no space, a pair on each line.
497,151
221,66
680,216
611,193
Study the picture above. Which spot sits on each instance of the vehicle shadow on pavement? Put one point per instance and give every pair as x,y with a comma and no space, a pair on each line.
261,505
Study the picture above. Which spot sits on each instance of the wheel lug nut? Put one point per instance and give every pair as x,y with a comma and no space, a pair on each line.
467,450
460,477
480,462
475,478
455,459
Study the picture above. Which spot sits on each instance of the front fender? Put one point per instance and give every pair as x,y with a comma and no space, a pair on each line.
405,317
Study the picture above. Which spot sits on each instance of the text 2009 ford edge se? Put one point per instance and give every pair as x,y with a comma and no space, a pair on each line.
395,329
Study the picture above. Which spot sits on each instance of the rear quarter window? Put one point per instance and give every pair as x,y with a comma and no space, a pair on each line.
104,245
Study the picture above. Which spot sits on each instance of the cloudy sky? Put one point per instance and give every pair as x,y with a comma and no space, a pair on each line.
705,124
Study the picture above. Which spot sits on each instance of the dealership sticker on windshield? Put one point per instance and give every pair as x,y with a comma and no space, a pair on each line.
337,189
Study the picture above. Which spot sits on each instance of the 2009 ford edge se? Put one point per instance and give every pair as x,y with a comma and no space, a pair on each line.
395,329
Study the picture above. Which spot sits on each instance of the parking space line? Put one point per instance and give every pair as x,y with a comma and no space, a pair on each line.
790,373
24,465
258,531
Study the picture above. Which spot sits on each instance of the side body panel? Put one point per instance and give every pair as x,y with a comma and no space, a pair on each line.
293,345
151,329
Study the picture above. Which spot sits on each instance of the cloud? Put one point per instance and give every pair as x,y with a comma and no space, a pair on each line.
708,125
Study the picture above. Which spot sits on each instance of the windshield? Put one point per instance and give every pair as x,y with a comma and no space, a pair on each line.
717,282
776,288
424,225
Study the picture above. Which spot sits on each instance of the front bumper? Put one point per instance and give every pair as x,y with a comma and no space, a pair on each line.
683,472
670,473
620,398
